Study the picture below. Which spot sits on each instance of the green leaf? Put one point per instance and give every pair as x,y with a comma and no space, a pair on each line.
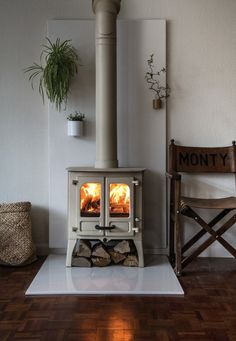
61,65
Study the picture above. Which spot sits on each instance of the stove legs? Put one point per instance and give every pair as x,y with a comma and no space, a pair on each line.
139,248
70,248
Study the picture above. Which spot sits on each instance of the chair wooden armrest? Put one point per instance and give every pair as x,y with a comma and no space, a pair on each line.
173,175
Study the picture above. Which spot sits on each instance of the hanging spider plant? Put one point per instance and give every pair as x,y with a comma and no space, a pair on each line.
61,64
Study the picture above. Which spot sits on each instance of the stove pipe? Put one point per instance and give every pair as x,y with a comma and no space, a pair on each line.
106,98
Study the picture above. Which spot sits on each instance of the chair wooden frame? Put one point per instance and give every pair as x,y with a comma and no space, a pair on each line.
184,159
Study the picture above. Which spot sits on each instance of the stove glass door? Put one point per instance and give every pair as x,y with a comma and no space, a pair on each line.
119,206
119,200
90,205
90,199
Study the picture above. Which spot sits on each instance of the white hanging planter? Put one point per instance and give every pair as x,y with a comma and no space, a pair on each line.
75,128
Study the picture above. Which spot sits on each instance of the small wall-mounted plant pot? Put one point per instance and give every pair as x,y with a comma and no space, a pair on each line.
75,128
157,103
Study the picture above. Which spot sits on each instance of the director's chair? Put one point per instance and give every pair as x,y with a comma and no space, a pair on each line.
184,159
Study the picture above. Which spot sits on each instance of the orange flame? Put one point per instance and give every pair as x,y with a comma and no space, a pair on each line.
90,197
119,200
90,200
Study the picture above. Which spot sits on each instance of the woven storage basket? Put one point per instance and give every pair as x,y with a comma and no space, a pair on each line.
16,243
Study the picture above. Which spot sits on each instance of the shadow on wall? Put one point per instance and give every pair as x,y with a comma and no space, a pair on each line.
154,211
40,228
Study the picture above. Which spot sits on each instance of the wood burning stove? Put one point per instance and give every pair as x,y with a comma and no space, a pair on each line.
105,204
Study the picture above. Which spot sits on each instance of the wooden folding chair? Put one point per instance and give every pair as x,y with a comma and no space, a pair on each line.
184,159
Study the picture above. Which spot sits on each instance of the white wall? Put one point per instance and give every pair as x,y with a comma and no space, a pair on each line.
201,49
23,117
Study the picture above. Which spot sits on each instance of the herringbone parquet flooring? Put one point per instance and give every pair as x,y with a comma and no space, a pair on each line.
207,312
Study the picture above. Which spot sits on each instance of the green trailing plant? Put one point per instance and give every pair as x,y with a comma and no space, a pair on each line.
154,84
61,65
77,116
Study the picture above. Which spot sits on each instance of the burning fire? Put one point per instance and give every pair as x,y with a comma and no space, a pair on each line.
119,200
90,200
90,197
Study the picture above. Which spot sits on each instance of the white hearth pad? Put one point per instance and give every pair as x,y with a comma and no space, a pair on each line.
156,278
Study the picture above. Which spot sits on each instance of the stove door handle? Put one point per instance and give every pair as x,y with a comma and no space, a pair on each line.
103,228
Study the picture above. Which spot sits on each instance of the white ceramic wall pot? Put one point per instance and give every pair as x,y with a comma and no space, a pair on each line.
75,128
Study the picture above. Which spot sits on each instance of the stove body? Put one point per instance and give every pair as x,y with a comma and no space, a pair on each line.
105,204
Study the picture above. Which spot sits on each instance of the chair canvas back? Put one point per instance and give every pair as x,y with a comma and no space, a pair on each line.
202,159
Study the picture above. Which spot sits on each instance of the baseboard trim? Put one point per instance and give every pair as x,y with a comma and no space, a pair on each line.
156,251
58,251
42,249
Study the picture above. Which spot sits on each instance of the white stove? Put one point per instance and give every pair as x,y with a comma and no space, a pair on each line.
105,204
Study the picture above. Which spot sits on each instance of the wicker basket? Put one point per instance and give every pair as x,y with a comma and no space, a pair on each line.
16,243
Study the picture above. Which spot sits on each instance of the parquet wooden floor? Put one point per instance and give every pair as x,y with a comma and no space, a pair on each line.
207,312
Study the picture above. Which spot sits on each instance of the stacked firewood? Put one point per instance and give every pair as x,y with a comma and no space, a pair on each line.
103,254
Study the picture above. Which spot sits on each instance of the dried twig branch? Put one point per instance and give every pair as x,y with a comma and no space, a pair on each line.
153,81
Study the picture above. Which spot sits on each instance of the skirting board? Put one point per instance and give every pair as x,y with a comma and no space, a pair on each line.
44,250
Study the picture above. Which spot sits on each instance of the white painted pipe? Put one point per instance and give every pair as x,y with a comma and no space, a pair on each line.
106,97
